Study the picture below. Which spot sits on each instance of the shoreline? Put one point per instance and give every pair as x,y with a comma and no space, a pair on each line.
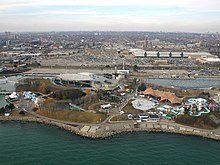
109,130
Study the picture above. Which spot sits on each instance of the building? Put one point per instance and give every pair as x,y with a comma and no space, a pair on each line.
32,55
137,52
163,96
13,97
81,80
140,53
141,44
161,62
198,55
209,60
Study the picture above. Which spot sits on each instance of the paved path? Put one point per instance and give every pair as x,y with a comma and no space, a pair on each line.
28,106
63,71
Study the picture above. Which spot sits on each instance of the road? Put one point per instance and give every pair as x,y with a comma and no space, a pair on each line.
63,71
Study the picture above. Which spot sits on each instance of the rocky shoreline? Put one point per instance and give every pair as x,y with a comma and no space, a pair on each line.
108,130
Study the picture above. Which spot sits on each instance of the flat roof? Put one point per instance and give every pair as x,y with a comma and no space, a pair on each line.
211,59
85,76
141,52
75,77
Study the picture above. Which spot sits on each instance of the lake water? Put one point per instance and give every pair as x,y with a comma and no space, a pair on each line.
2,101
10,85
35,144
186,84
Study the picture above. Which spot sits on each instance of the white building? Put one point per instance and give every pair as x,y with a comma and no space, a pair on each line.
209,60
31,54
85,76
154,54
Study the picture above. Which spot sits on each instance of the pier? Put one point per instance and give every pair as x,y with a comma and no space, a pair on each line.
5,93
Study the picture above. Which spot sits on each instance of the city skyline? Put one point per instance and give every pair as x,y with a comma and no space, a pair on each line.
114,15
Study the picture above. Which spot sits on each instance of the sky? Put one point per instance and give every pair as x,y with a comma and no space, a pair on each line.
110,15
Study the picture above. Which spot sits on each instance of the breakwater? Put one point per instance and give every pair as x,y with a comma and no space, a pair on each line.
109,130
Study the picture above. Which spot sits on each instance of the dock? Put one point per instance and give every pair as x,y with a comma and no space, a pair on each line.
5,93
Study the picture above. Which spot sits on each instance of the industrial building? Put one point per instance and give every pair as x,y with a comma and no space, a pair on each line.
140,53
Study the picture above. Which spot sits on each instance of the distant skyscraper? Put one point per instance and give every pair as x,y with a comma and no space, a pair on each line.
9,36
8,43
146,42
7,33
141,44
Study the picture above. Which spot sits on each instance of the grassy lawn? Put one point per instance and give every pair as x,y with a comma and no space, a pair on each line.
73,116
16,113
130,109
95,106
39,85
203,121
49,100
48,87
120,118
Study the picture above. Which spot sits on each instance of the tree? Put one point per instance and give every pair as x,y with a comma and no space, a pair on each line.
135,81
181,54
158,54
22,113
11,106
135,68
2,110
15,65
170,54
142,87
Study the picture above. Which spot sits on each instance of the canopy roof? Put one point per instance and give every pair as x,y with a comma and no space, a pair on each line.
164,95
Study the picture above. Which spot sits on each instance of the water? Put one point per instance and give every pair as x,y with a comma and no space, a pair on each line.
12,80
186,84
10,85
35,144
2,101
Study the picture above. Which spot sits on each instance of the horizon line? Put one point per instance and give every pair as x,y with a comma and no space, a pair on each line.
147,31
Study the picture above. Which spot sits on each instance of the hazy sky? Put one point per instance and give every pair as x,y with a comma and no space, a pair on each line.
132,15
